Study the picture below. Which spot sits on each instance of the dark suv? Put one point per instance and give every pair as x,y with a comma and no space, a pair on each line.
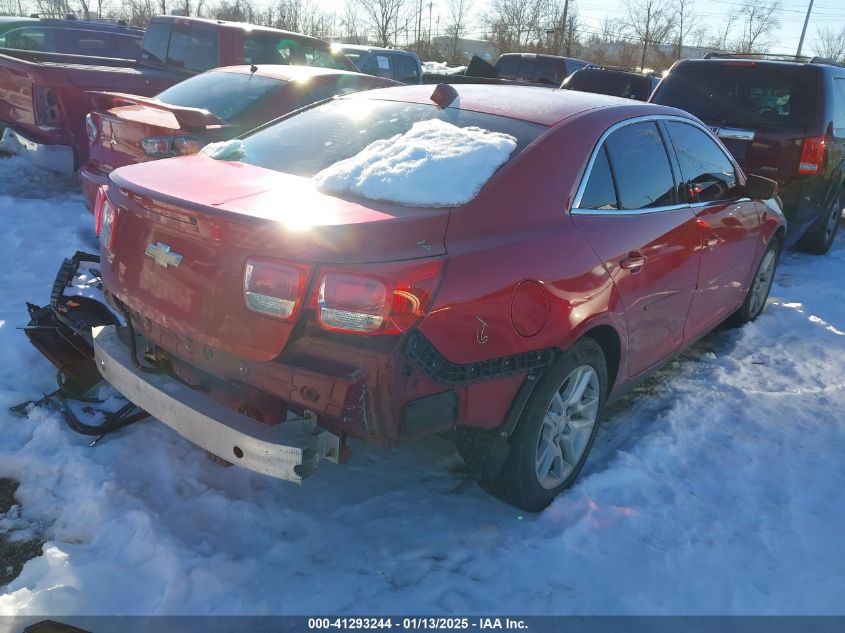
544,69
93,38
783,118
616,82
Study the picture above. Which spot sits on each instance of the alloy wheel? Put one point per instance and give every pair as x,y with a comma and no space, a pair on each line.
762,282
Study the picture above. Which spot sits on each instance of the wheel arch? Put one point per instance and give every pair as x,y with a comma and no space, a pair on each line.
610,342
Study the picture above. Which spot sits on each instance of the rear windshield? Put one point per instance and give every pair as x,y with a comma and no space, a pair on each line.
743,93
309,142
265,48
225,95
605,82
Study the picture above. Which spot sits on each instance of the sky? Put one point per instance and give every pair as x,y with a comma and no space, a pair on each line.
711,12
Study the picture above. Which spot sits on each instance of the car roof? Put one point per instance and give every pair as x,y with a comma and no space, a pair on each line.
284,72
543,56
13,19
544,106
239,26
372,49
745,61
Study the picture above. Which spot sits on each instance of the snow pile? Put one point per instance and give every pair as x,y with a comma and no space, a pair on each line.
442,68
715,489
225,150
434,164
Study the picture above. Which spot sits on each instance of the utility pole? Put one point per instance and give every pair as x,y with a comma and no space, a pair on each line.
419,26
804,30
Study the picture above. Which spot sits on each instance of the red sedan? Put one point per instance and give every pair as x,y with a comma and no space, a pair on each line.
217,105
497,261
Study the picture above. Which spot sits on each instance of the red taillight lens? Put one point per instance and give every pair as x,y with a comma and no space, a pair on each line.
274,288
165,146
99,201
48,109
108,221
377,299
812,155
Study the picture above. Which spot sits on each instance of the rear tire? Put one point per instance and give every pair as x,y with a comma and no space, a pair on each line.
819,239
556,430
761,285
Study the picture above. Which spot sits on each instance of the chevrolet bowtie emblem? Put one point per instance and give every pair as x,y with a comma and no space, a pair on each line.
162,255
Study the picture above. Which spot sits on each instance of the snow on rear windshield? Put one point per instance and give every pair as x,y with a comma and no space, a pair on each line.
434,164
322,137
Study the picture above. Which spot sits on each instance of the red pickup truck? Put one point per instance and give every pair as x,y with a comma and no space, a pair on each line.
44,96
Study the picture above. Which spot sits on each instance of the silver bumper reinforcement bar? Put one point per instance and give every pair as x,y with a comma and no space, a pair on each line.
290,450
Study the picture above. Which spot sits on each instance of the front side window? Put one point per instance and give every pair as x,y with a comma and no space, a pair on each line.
839,106
29,39
600,192
507,66
707,172
547,71
641,165
380,65
322,58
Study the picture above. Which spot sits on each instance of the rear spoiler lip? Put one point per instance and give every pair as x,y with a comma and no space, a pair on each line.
189,118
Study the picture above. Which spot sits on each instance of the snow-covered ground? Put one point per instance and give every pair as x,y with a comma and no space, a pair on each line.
717,488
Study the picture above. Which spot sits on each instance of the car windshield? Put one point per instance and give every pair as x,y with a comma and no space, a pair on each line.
742,93
223,94
313,140
352,54
608,82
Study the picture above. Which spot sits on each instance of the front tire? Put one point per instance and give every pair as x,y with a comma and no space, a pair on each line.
556,430
819,239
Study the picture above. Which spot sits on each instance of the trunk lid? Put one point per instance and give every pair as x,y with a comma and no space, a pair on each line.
218,214
123,121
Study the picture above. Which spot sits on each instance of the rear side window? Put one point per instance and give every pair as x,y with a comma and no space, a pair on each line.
526,68
507,66
77,42
641,165
155,42
379,65
547,71
599,192
743,94
704,166
839,106
406,70
193,49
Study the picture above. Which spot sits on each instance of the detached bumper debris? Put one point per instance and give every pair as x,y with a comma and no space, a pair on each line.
289,451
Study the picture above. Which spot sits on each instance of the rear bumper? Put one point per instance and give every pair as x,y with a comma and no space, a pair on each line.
805,199
90,180
53,157
288,451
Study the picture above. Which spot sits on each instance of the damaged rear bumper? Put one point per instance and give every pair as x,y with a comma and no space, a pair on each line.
289,451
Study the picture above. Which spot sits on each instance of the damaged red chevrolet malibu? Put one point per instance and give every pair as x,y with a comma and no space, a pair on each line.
497,261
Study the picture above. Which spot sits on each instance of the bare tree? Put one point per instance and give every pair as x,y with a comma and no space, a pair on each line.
831,44
685,23
385,19
349,20
517,25
650,22
759,20
456,27
138,12
720,39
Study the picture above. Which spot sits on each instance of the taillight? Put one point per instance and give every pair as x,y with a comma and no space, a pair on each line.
91,128
377,299
274,288
166,146
99,201
108,221
48,110
812,155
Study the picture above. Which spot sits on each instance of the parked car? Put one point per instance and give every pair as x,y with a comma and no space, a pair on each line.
513,323
616,82
390,63
95,38
44,100
780,119
545,69
217,105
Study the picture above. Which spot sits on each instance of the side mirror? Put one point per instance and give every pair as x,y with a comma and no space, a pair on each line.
760,187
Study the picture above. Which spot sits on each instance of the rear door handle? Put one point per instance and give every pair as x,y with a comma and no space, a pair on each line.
634,262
